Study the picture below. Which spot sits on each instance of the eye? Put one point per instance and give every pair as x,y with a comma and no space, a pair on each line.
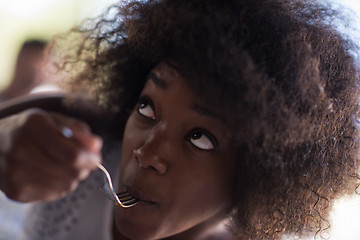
202,139
145,108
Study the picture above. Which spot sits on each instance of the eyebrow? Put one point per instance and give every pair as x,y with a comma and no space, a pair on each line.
207,112
157,80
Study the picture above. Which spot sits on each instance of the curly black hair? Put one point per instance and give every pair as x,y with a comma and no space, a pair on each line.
279,71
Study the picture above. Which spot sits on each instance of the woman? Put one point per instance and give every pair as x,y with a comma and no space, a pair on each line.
240,119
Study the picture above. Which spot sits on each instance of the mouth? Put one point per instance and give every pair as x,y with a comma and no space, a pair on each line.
126,200
141,196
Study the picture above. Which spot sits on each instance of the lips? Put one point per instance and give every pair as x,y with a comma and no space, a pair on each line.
142,196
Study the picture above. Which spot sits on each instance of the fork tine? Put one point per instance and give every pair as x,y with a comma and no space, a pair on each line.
127,200
123,194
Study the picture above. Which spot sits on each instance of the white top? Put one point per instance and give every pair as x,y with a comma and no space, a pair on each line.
84,214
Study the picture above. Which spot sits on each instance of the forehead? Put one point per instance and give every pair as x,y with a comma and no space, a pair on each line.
165,77
206,90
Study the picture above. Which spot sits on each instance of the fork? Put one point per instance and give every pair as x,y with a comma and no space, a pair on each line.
124,199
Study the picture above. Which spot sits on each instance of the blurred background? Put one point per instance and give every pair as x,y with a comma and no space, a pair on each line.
23,20
34,22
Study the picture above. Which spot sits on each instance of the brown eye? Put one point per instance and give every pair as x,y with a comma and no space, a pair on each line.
145,109
201,139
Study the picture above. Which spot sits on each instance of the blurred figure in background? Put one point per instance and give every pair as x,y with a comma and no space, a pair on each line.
31,75
29,72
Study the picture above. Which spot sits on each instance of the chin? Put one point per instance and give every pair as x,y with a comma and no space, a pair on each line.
130,230
135,234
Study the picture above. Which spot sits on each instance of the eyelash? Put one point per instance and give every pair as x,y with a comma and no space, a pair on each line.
146,102
204,132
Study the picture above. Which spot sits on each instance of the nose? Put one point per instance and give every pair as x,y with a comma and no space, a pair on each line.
151,154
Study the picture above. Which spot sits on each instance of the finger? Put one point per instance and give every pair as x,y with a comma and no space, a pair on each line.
53,122
88,141
81,132
38,185
68,153
40,159
42,131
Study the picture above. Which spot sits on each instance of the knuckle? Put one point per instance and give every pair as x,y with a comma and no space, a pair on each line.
71,186
53,196
82,159
84,174
56,196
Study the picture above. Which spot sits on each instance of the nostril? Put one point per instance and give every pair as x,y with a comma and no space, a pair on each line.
150,160
152,168
161,167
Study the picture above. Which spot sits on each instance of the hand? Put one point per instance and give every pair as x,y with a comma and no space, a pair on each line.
37,162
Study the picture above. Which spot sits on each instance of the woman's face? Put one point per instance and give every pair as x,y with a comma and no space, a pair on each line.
177,159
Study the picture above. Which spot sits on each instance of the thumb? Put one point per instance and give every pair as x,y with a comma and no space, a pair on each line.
79,131
84,138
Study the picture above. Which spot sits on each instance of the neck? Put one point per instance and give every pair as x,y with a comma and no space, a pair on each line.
209,231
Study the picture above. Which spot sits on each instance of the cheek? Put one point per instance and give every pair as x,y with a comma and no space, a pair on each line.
131,139
201,195
215,188
129,144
